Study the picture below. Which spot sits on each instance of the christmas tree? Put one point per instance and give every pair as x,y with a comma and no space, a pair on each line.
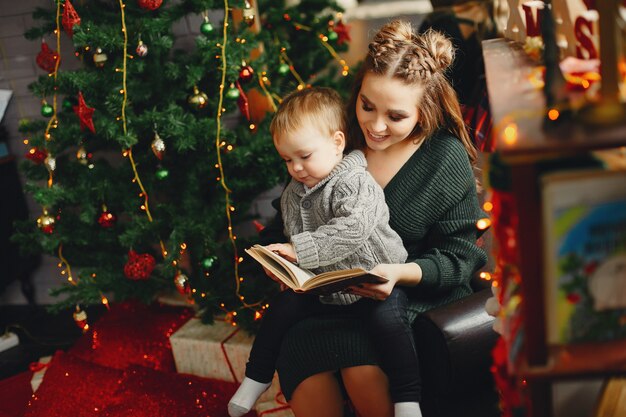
147,157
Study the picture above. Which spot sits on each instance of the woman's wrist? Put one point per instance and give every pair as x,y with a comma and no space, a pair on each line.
409,274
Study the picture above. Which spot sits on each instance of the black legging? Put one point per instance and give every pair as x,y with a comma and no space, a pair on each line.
389,327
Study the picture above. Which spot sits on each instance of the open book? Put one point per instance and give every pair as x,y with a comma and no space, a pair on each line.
302,280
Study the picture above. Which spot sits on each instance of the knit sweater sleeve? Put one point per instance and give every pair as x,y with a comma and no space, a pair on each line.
451,252
358,205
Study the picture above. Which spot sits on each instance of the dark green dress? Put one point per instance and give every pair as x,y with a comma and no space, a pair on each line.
434,208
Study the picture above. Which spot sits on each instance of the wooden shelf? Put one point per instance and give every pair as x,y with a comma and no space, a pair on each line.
514,97
580,360
517,101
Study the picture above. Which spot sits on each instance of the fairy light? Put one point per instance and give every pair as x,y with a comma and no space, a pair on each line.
485,275
345,69
67,268
553,114
292,69
483,224
129,152
262,82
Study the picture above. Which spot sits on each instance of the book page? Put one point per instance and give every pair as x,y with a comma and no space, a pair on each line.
298,275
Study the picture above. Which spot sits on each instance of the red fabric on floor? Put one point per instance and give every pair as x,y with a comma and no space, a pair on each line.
74,387
132,333
15,392
147,393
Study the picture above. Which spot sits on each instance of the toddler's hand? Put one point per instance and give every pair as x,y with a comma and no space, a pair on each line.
285,250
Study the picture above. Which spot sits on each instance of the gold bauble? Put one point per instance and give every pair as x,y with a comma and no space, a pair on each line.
45,222
50,162
81,155
99,58
248,13
158,146
199,99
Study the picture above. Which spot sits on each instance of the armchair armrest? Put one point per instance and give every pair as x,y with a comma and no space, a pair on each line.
454,344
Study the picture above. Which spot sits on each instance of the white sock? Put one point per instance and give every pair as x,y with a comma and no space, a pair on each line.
248,392
407,409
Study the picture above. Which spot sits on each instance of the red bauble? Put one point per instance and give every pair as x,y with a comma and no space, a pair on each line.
150,4
70,18
47,58
246,74
107,219
139,265
37,155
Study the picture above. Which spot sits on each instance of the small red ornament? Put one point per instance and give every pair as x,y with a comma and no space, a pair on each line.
181,281
70,18
245,74
150,4
242,102
139,265
258,226
343,32
37,155
80,318
84,113
106,218
47,58
142,49
573,297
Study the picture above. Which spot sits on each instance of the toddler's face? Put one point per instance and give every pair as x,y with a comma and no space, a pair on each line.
310,155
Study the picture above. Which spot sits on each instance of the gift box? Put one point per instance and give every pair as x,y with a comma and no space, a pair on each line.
217,351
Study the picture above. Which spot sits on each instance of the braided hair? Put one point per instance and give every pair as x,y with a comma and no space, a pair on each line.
397,51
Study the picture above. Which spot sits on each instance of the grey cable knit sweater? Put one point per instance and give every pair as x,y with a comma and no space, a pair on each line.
341,223
434,207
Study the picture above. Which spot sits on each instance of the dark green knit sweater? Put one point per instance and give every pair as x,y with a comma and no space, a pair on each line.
434,208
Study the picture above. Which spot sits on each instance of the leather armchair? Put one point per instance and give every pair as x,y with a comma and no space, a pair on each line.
454,347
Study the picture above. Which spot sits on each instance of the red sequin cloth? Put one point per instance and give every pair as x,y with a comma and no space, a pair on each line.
149,393
74,387
132,333
15,392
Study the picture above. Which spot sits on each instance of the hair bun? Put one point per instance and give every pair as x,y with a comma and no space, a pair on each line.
439,47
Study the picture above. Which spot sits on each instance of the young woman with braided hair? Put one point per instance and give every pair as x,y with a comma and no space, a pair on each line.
405,117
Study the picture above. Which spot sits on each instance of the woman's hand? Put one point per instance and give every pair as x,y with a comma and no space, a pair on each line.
270,274
378,291
409,274
285,250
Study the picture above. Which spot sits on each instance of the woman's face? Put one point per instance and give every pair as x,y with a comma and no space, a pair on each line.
386,110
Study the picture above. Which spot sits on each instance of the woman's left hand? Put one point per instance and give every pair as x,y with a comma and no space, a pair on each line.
378,291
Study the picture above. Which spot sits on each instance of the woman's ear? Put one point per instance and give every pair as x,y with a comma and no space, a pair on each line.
339,138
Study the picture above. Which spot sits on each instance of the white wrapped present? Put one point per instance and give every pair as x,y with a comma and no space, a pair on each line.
217,351
273,408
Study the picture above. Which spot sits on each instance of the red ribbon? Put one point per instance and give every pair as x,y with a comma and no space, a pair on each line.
282,405
37,366
230,366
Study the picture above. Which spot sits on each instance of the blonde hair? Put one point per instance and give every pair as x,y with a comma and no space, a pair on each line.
422,59
321,107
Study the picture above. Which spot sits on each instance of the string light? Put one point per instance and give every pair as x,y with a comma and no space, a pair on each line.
129,152
345,69
292,69
67,270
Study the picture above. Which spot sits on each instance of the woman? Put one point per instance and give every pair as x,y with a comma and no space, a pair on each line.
405,117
